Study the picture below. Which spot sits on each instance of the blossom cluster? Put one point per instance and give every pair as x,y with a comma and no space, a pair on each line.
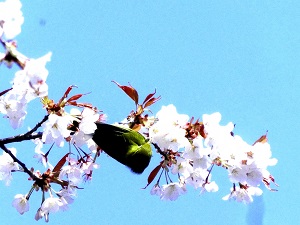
189,150
192,150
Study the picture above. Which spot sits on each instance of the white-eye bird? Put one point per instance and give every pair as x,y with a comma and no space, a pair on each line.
125,145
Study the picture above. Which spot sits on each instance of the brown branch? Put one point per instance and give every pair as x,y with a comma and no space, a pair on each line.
19,138
26,170
37,126
23,137
27,136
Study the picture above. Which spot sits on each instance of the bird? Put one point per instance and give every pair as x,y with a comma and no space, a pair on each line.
125,145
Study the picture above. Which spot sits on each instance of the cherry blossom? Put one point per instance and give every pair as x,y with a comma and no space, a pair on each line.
13,108
7,165
244,195
11,18
172,191
21,203
30,82
50,205
55,129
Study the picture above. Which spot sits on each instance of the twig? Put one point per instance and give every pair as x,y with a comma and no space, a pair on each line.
27,136
160,151
37,126
26,170
19,138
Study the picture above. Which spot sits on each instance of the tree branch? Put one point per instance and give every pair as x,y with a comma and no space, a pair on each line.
37,126
19,138
26,170
27,136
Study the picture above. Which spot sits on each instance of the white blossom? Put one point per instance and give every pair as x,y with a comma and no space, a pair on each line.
55,129
86,127
7,165
156,190
72,172
31,81
14,108
196,178
172,191
11,18
66,196
50,205
21,203
40,155
210,187
168,131
243,195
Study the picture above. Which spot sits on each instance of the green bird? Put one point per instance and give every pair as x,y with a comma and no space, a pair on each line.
125,145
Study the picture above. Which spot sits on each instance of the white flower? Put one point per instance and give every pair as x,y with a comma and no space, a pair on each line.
14,108
243,195
88,167
86,127
7,165
87,124
50,205
198,154
182,166
210,187
166,136
40,155
156,190
11,18
168,131
92,145
196,150
55,129
72,172
261,154
197,177
21,203
237,174
31,81
172,191
203,163
67,197
168,114
80,138
254,175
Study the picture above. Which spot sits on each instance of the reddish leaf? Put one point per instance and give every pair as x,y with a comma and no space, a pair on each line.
130,91
75,97
73,103
152,175
202,130
151,101
262,139
66,93
60,164
69,90
149,96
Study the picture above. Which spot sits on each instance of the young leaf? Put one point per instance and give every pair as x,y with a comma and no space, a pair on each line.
151,101
60,163
130,91
75,97
262,139
152,175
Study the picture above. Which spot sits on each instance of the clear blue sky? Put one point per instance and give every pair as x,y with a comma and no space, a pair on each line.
240,58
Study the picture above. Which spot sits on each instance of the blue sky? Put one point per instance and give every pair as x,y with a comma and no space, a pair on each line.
240,58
